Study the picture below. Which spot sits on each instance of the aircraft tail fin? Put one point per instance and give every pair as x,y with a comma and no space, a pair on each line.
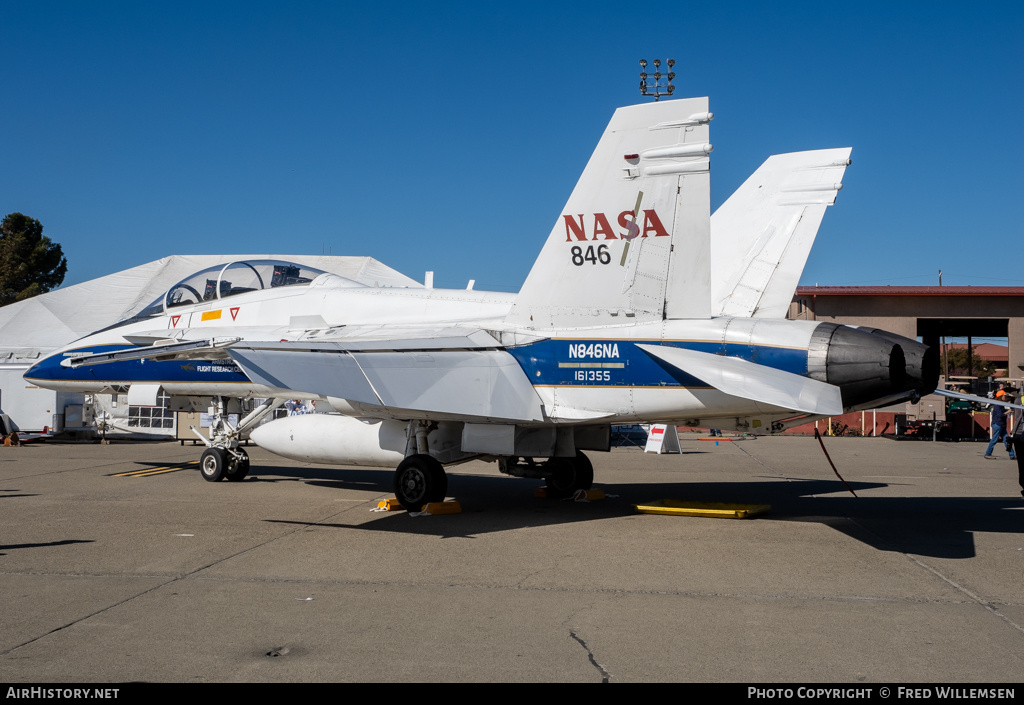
761,236
633,241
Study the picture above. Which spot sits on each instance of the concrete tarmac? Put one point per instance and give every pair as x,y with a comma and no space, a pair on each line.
289,576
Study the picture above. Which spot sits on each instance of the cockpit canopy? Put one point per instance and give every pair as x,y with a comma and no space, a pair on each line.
235,278
224,280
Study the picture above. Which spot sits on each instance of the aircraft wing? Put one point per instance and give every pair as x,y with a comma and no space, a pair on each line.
457,372
742,378
150,347
391,337
465,376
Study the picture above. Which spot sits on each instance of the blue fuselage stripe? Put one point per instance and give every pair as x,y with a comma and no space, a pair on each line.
621,363
554,362
141,371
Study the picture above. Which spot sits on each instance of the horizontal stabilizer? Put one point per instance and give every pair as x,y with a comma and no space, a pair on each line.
748,380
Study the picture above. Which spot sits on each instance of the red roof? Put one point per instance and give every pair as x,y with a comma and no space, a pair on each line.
910,291
985,351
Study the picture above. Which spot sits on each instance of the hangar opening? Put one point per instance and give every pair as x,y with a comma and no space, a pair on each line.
974,335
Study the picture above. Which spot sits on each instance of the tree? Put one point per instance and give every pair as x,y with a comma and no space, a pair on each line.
30,264
962,363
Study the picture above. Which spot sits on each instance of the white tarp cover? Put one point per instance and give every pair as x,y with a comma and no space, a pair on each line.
43,323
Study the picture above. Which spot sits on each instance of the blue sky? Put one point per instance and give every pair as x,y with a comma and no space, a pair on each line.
448,135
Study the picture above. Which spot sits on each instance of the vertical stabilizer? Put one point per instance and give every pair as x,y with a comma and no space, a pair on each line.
633,241
762,235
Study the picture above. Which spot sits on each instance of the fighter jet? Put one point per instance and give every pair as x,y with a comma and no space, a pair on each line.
630,314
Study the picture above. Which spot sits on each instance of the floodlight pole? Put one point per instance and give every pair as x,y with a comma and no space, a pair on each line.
659,87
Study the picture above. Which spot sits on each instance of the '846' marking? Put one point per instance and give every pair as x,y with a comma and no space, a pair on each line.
598,255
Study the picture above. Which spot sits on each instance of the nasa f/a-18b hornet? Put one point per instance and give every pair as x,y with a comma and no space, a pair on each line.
632,313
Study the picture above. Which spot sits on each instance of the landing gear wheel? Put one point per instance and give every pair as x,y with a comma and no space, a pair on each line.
569,475
420,479
238,467
584,471
213,464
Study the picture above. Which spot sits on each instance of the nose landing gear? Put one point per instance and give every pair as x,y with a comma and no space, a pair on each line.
222,457
217,464
420,479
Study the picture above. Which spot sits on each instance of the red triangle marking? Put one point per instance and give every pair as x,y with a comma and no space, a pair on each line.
174,321
234,312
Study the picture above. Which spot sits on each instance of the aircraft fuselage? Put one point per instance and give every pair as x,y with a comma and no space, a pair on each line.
580,375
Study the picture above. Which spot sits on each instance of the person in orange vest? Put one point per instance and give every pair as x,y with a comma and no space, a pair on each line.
999,425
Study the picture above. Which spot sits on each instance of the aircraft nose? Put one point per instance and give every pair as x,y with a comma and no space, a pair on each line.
863,365
46,370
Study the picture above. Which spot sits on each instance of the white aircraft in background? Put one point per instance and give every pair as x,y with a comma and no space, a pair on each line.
631,314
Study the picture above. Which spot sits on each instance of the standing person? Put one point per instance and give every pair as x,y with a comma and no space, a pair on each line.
999,425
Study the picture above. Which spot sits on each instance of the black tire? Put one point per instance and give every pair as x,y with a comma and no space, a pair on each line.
238,467
420,479
584,471
569,475
213,464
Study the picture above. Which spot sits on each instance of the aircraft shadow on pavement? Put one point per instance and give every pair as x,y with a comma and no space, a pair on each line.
45,544
941,527
370,480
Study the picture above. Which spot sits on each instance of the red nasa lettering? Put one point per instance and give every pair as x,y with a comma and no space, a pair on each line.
601,228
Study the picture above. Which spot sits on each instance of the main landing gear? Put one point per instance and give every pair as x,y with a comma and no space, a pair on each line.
563,477
568,475
420,479
223,458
